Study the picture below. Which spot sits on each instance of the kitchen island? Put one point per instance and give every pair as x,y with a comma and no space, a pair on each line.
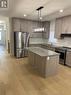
44,61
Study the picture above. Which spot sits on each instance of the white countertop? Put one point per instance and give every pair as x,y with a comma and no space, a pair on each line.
42,52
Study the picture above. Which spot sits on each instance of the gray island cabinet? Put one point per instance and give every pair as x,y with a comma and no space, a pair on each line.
44,61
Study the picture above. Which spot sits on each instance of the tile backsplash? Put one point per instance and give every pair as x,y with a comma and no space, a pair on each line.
63,42
38,40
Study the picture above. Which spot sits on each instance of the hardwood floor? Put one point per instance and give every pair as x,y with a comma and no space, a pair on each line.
18,78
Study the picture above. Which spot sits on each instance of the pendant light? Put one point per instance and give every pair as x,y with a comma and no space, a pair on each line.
39,29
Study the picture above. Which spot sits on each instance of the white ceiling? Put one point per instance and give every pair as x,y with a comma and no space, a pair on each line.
17,8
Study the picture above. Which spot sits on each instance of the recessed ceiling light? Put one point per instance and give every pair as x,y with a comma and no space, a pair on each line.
25,15
60,11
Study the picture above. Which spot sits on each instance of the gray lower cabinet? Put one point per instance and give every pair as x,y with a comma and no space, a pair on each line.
31,58
44,46
68,58
51,67
45,66
49,47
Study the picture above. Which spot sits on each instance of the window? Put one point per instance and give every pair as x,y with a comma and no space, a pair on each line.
0,35
3,3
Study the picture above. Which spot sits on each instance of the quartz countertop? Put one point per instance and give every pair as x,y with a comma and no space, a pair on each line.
42,52
59,43
53,45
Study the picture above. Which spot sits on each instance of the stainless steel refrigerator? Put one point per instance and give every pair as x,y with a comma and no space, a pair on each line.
21,44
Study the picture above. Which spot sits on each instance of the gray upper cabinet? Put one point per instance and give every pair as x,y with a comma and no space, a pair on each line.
29,26
58,28
62,26
66,25
16,24
24,26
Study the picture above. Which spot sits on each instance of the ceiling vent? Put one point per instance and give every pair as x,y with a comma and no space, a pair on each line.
3,3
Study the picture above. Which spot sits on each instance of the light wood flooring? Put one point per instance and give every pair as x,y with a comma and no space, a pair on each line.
18,78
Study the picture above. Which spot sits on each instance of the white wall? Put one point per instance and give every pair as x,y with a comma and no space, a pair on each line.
52,26
3,38
52,32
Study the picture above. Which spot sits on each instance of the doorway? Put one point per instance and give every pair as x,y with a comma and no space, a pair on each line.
2,35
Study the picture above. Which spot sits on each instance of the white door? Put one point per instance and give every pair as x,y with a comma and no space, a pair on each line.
2,35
